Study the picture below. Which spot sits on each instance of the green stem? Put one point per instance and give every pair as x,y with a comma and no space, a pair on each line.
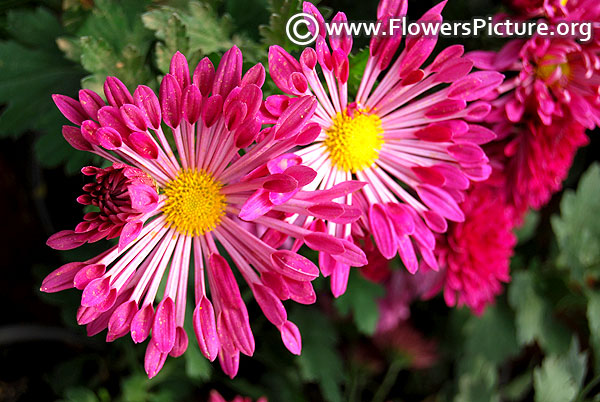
388,381
588,388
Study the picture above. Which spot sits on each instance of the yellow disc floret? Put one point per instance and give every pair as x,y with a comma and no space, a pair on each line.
546,70
354,141
194,204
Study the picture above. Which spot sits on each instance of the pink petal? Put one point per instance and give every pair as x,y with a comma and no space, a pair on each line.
61,278
308,134
353,255
467,153
120,320
116,92
133,117
87,274
70,108
229,72
254,76
428,175
236,320
170,101
91,102
383,231
75,139
294,117
110,116
256,205
65,240
205,329
143,197
475,86
154,359
339,279
204,76
163,327
95,292
180,70
181,343
324,242
407,254
290,335
228,289
108,138
145,99
445,108
142,323
230,362
130,232
441,202
143,144
270,304
326,210
293,266
211,110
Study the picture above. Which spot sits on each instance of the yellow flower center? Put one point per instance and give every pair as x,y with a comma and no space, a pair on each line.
546,70
194,204
353,142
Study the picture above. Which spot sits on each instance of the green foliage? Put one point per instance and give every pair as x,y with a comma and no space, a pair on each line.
578,235
274,33
493,335
561,376
360,300
32,68
534,315
320,361
112,41
358,62
196,31
479,384
593,316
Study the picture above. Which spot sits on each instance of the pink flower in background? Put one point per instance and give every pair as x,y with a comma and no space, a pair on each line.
216,397
557,10
203,193
557,78
407,341
476,253
536,160
413,138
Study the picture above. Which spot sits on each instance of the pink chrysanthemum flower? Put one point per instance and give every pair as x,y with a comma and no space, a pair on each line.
557,78
216,397
557,10
533,160
412,138
476,253
201,196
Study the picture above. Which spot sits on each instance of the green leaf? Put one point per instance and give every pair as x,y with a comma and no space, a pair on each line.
534,315
577,229
360,300
526,231
274,33
493,335
196,31
357,63
80,394
32,68
479,384
559,379
113,41
320,361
